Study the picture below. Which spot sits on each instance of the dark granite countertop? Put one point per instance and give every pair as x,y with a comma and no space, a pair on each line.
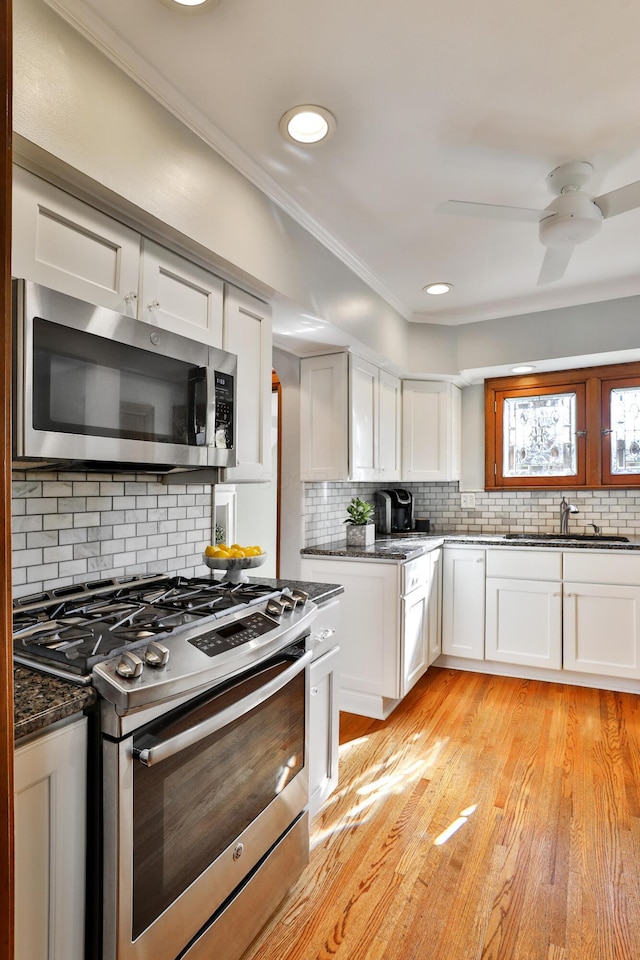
407,547
318,592
41,699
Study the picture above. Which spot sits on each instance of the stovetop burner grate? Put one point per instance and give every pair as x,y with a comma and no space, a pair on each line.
77,627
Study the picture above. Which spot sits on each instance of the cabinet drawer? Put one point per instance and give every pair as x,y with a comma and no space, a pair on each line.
415,573
325,630
613,567
525,564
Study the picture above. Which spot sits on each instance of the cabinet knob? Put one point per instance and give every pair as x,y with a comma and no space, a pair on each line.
314,691
154,305
323,635
130,297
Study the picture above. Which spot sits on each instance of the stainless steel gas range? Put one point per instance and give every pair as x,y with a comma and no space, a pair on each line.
200,760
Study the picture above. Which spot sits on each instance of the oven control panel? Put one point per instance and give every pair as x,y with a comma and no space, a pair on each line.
233,634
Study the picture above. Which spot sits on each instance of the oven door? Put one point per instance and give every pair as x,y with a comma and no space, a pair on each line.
195,800
93,385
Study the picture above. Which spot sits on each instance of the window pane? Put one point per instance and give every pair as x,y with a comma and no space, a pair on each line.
540,436
625,430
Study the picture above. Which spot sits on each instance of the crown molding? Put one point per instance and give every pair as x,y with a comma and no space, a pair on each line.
116,49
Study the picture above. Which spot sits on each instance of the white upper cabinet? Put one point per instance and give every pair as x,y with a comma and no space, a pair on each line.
324,441
180,296
247,333
350,420
430,431
67,245
390,427
363,419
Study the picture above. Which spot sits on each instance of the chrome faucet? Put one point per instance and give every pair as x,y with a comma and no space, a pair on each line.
565,510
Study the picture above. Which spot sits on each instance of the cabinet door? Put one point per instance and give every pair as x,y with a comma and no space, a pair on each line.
389,427
524,622
247,333
363,419
50,790
324,721
602,629
434,609
179,296
414,637
324,444
463,603
65,244
430,431
369,633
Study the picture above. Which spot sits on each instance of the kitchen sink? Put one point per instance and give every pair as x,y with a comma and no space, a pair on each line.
602,538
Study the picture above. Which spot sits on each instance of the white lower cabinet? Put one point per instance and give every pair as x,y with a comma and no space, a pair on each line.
524,607
384,646
601,625
50,791
324,705
463,598
434,610
524,622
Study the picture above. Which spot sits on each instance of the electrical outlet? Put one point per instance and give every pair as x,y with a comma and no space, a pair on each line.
468,501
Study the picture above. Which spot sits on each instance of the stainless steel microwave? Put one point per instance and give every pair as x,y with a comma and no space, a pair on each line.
93,389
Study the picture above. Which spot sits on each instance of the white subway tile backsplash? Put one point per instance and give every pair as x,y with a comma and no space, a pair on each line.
68,527
615,511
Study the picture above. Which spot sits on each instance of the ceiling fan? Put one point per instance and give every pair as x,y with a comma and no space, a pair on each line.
571,218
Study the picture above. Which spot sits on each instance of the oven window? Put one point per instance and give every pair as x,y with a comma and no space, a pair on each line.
190,807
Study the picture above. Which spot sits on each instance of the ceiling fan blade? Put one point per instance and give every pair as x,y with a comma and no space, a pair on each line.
556,261
620,200
495,210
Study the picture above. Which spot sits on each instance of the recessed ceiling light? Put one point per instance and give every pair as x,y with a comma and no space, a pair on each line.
191,6
437,289
523,368
307,124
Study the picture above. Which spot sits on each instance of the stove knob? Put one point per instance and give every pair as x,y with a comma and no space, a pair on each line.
156,654
129,666
289,603
301,596
274,608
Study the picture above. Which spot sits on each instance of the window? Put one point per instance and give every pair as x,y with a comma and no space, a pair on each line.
571,428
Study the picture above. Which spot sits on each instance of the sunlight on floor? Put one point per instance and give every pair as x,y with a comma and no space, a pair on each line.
455,826
386,777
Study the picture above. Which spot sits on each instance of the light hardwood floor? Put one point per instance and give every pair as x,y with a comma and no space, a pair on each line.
488,818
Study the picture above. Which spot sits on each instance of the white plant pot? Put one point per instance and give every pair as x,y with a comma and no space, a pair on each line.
360,535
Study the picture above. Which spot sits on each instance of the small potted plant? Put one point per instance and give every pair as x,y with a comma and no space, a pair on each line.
361,529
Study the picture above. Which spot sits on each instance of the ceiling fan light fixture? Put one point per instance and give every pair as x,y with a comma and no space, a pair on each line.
307,123
523,368
438,289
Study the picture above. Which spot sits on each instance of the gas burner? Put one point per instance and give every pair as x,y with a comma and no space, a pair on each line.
74,628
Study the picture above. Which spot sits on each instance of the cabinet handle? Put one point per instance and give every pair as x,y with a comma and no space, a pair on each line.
559,594
323,635
479,559
130,297
154,305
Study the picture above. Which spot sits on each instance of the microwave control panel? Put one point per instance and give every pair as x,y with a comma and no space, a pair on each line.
224,412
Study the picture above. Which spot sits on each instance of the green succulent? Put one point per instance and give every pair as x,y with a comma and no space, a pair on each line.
359,511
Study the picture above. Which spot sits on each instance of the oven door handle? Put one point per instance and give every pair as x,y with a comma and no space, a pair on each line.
169,748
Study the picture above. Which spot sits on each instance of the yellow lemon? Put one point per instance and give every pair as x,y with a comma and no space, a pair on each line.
210,551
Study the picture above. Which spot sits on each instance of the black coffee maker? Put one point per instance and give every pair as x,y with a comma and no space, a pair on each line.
394,511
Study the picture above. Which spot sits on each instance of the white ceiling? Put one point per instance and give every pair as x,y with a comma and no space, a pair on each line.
438,100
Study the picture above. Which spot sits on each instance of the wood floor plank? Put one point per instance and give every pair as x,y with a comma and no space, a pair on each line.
488,818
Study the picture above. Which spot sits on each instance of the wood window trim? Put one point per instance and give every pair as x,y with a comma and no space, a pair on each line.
594,381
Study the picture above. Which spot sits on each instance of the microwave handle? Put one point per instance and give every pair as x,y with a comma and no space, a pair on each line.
202,380
169,748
